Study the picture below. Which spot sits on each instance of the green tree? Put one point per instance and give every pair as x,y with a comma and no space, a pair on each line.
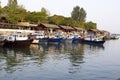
82,15
56,19
78,14
9,3
68,21
45,11
21,13
36,17
44,14
90,25
79,24
0,9
14,12
75,13
12,4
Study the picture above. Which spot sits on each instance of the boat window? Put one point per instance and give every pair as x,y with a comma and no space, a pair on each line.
24,35
10,37
20,35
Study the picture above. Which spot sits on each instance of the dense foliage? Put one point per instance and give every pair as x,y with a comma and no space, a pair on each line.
90,25
14,13
78,14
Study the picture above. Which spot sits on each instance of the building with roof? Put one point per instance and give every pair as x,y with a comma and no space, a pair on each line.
66,28
48,27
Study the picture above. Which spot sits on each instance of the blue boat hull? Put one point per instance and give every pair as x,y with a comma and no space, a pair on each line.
43,40
76,40
54,39
51,40
92,42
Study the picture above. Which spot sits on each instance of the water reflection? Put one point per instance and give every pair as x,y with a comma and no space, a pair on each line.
96,47
38,54
42,55
13,57
76,58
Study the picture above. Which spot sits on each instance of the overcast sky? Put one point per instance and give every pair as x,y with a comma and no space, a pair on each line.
106,13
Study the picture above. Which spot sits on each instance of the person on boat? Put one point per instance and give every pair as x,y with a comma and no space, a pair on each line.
90,36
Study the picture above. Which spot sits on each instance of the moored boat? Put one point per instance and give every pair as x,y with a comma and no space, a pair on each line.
54,40
17,40
43,40
93,42
36,37
114,37
18,43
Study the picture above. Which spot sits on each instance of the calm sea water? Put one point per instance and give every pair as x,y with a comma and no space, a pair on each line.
61,62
